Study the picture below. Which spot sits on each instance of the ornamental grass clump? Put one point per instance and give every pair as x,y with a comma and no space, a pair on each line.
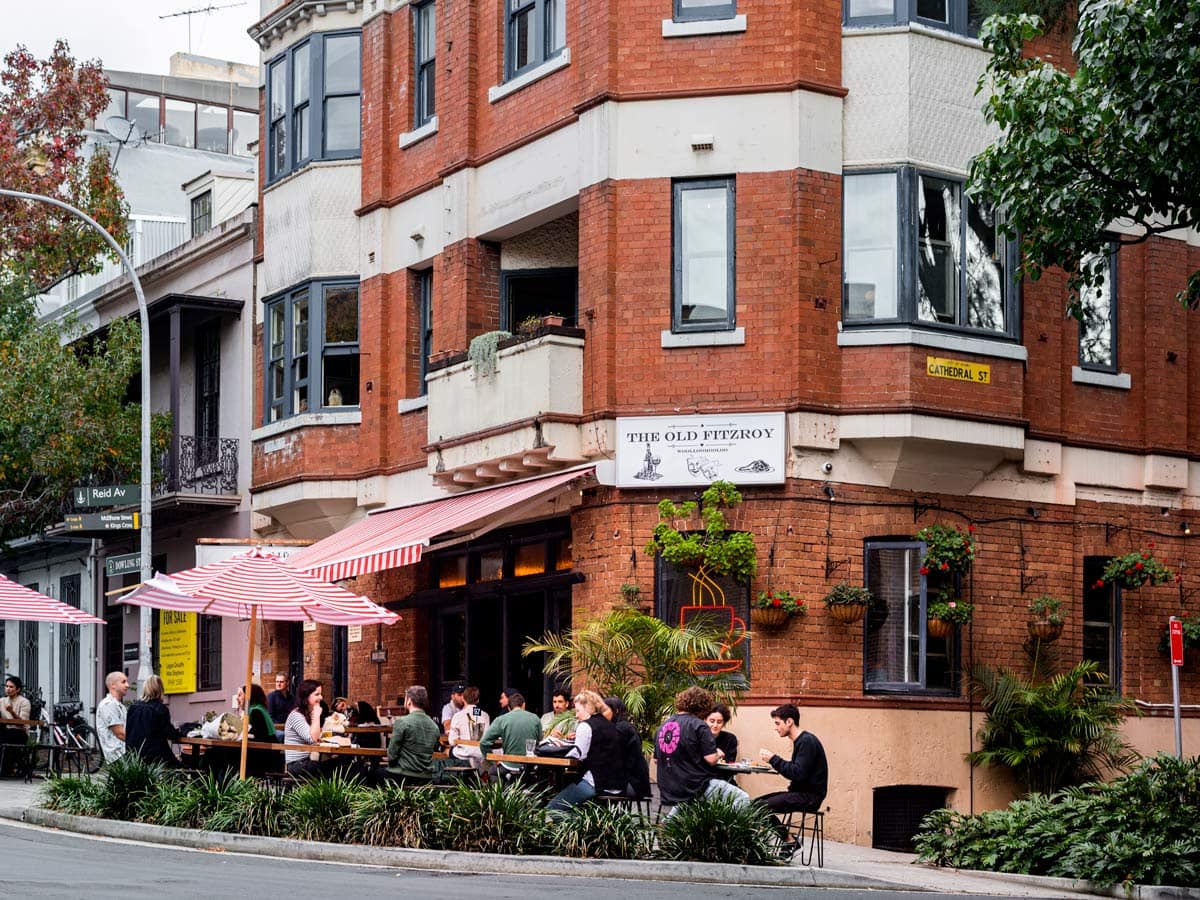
947,550
319,809
389,816
714,829
127,782
489,818
1135,569
243,807
73,796
600,831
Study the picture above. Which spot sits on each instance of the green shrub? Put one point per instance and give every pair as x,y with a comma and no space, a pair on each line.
1137,829
173,802
127,781
74,796
490,818
714,829
242,807
600,831
319,809
390,816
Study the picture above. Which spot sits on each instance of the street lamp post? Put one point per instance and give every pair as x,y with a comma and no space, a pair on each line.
145,661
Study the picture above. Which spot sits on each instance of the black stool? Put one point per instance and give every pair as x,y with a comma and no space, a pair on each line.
808,834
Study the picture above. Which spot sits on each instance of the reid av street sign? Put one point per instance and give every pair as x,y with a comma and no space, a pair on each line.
107,494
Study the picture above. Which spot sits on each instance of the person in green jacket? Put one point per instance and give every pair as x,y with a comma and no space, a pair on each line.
414,740
512,730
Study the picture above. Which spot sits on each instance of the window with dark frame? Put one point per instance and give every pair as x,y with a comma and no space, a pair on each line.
425,58
1101,621
313,102
917,250
529,293
704,257
311,345
958,16
535,31
209,638
201,213
899,655
425,319
704,10
1098,327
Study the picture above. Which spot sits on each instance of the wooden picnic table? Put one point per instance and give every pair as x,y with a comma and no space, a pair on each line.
561,762
371,752
22,723
368,729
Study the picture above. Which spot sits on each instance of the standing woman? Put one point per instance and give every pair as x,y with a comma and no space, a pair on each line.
598,749
303,726
148,728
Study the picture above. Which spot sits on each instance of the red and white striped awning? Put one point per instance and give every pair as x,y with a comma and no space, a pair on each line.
397,537
275,590
27,605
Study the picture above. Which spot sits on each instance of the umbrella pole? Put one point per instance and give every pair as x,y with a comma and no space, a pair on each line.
249,676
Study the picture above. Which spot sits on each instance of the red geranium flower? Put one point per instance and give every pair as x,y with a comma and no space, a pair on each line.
945,565
970,529
775,601
924,570
1151,545
1138,566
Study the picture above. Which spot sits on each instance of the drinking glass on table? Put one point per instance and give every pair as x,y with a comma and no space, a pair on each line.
531,747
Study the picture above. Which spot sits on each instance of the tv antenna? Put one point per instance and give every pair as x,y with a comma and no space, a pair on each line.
198,11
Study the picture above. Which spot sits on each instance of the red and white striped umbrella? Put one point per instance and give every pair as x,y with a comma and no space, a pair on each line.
260,585
26,604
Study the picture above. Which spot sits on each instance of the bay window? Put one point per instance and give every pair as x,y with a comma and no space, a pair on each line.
1098,326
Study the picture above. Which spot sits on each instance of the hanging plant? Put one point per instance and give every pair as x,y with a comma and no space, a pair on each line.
720,552
847,603
1131,571
947,549
1045,618
482,352
948,608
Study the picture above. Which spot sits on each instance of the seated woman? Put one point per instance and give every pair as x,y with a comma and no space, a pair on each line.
637,770
303,726
148,728
598,748
727,742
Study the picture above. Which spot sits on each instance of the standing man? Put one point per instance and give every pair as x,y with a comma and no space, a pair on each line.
455,703
807,771
687,751
110,716
280,701
414,740
512,730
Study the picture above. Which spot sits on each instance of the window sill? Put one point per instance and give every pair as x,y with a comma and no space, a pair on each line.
942,34
960,343
309,166
419,134
349,416
734,338
673,29
1119,380
537,73
412,404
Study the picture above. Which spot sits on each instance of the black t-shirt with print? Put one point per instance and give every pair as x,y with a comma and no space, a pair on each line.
680,747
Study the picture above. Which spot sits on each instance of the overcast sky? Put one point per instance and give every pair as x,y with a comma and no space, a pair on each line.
128,34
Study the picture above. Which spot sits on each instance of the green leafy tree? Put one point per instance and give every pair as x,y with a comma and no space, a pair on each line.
1054,733
1114,141
640,659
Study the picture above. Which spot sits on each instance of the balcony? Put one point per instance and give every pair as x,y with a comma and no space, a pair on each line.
205,466
521,419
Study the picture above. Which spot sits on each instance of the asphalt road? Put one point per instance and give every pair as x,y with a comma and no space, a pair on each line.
40,863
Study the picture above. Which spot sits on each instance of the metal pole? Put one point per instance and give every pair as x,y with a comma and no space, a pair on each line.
1175,703
145,660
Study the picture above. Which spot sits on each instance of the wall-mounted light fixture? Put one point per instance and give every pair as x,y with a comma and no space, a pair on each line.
1032,512
1185,528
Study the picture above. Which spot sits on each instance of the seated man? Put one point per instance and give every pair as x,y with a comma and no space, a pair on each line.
807,771
512,730
468,724
415,739
686,752
556,723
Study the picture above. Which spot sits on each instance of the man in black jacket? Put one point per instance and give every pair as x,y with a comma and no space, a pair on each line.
807,772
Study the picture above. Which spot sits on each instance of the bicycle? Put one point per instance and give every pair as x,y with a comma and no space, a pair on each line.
74,741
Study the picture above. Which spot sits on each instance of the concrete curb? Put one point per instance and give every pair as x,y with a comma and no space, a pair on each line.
455,861
1051,882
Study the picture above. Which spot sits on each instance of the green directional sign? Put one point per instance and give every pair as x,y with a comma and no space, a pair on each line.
103,521
107,494
129,564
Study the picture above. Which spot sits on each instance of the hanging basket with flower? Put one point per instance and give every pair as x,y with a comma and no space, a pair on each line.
947,550
1131,571
945,612
773,608
1045,618
847,603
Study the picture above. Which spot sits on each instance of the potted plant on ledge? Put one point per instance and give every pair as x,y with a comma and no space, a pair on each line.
1046,621
847,603
945,612
773,608
1131,571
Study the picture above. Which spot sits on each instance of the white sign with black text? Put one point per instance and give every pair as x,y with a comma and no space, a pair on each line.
682,451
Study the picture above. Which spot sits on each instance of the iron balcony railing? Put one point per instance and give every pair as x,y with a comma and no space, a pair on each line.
205,466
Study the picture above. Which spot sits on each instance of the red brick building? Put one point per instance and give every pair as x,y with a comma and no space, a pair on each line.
750,216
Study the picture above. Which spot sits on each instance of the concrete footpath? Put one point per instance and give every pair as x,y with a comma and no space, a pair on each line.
846,865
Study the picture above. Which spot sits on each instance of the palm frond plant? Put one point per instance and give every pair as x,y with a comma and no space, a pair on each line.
640,659
714,829
1054,733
